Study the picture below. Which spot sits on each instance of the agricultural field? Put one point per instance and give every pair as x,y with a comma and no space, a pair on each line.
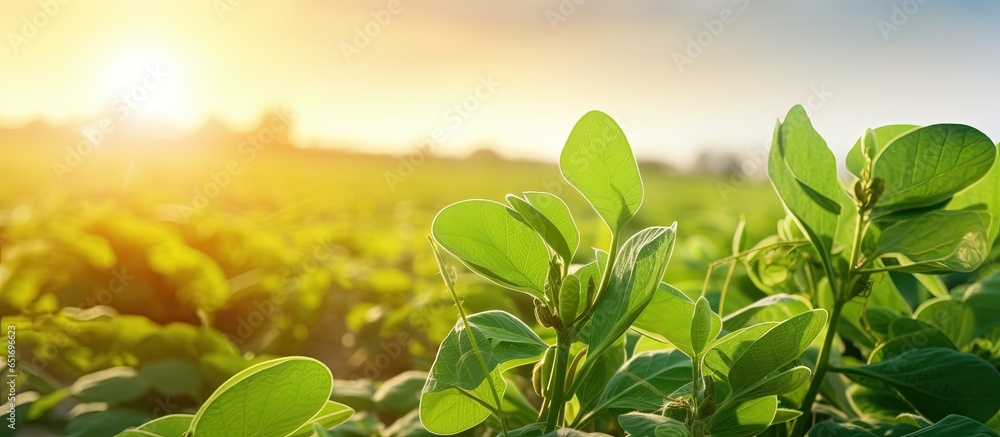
196,290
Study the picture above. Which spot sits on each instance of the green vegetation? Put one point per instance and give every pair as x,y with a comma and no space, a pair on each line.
157,293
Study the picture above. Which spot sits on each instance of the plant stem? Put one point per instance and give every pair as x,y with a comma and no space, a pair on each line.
556,399
819,373
698,385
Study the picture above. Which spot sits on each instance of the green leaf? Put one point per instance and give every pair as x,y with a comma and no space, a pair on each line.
984,195
501,338
551,218
401,393
641,424
883,135
572,297
172,377
955,425
116,385
105,423
599,373
779,384
495,242
776,348
451,411
634,278
783,415
774,308
952,317
645,380
803,171
674,428
909,334
936,241
173,425
748,418
271,398
597,160
937,382
928,165
723,354
829,429
983,300
332,414
668,316
878,403
701,326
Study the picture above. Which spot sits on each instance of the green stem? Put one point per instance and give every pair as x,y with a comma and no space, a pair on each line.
822,365
698,386
725,288
557,397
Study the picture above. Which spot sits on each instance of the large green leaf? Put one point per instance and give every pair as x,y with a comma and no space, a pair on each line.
645,380
928,165
907,334
776,348
597,160
723,354
637,272
803,171
494,241
936,241
668,316
451,411
937,382
985,194
952,317
883,135
548,215
748,418
983,300
955,425
271,398
500,337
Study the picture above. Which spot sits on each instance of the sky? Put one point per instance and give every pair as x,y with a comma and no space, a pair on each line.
383,75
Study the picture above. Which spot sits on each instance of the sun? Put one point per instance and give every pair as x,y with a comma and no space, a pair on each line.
146,84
